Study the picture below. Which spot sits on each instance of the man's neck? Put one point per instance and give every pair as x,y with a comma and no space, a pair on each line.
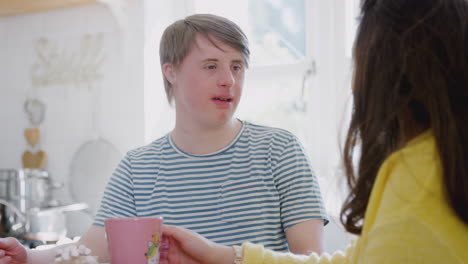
202,140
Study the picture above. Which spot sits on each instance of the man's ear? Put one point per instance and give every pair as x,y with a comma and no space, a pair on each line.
169,72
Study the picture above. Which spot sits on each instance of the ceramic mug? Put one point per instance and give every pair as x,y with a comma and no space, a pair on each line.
134,240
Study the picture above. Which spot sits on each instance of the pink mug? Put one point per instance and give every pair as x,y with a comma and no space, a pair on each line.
134,240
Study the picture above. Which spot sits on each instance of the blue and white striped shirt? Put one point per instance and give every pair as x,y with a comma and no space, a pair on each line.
252,190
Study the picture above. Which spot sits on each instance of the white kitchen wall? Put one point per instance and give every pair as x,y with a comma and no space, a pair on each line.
159,115
110,108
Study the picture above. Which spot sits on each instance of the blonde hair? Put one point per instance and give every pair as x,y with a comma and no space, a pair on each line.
179,38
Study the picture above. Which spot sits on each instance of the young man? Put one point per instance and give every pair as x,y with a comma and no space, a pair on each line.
230,180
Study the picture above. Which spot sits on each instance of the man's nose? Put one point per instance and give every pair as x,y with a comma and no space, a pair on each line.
226,78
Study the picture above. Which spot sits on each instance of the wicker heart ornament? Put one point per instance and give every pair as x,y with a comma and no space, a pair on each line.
34,160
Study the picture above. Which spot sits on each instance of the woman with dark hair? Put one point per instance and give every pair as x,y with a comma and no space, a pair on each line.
408,198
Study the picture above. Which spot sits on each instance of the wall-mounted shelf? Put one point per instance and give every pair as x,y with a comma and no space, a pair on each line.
19,7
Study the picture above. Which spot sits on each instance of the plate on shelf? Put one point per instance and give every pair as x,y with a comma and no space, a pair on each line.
91,167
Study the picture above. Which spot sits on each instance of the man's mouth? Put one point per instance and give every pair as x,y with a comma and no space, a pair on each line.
223,99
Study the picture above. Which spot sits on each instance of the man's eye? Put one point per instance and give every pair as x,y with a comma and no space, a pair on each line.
211,67
237,67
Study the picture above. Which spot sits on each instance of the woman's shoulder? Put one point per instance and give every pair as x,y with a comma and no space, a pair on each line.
409,190
414,170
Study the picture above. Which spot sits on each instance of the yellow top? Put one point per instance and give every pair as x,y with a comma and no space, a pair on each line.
407,221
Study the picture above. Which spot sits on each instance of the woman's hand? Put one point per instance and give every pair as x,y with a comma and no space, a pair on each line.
182,246
12,252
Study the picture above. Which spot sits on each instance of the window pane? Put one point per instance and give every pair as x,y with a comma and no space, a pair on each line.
275,28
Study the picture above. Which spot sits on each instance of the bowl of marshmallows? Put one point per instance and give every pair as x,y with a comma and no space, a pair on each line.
75,255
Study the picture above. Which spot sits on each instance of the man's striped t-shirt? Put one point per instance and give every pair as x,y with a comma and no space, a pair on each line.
252,190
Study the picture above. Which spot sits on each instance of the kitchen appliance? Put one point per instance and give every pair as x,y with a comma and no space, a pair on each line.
28,208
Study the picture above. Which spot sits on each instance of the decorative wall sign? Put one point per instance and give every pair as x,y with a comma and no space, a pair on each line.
59,66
